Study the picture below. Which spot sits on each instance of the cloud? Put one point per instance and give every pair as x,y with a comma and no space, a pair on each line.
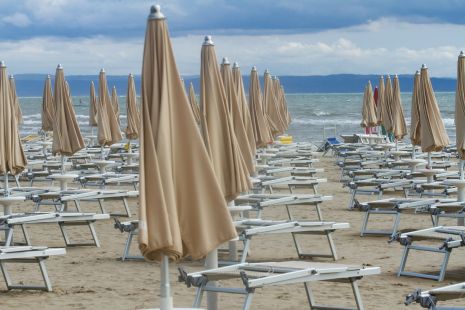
17,20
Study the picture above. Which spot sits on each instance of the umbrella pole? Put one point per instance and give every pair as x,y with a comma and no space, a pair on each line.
429,160
413,151
232,244
7,191
101,152
211,262
166,300
129,152
397,145
62,164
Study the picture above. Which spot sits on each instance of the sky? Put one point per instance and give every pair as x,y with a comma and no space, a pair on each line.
289,37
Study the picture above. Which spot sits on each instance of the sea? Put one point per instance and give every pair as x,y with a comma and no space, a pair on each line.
315,116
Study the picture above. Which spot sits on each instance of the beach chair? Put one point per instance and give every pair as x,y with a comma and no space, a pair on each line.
27,254
132,228
448,237
254,276
64,221
429,299
249,228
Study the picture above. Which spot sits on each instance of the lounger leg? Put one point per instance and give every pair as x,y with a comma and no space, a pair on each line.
126,207
94,234
198,297
318,212
6,275
78,206
9,236
403,260
358,297
309,293
43,270
442,272
332,246
245,251
126,247
25,235
365,223
352,199
395,227
248,301
100,204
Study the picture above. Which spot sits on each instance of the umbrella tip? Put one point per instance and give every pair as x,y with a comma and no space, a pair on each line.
102,70
254,68
12,77
395,76
417,72
462,54
48,77
423,66
267,71
2,64
235,65
274,77
208,40
381,77
225,61
155,12
60,67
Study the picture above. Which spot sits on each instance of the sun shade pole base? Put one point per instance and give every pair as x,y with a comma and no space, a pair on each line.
211,262
166,300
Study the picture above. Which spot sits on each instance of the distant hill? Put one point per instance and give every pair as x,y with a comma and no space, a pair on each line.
31,85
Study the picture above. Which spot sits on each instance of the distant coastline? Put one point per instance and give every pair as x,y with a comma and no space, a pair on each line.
31,85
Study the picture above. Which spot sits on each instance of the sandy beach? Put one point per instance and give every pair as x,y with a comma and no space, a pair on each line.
89,277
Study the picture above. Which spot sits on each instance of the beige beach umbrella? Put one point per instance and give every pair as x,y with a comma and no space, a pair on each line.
176,197
387,121
237,123
368,108
47,106
270,105
92,106
217,127
193,103
286,108
12,158
244,107
115,103
262,132
399,127
415,112
433,134
108,127
132,114
460,108
67,138
281,112
16,106
381,103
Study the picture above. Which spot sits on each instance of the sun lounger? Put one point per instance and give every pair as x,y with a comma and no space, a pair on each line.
429,299
27,254
64,220
132,228
249,228
255,276
449,238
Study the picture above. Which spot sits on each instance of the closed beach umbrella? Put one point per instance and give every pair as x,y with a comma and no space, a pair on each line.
12,158
217,128
387,109
47,106
244,107
237,123
433,134
286,108
380,103
281,112
108,127
115,103
133,117
193,103
92,106
16,106
67,138
415,113
399,127
269,104
260,125
368,108
182,209
460,107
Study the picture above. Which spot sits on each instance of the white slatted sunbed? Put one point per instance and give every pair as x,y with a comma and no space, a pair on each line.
261,275
27,254
429,299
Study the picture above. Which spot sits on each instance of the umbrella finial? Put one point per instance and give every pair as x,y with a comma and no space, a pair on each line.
417,72
208,41
423,66
60,67
274,77
395,76
2,64
155,12
12,77
48,76
235,65
225,61
267,71
102,70
254,68
462,54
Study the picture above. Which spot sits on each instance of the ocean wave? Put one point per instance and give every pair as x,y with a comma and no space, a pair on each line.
321,113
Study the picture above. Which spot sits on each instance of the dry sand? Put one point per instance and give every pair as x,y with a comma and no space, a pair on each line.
89,277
